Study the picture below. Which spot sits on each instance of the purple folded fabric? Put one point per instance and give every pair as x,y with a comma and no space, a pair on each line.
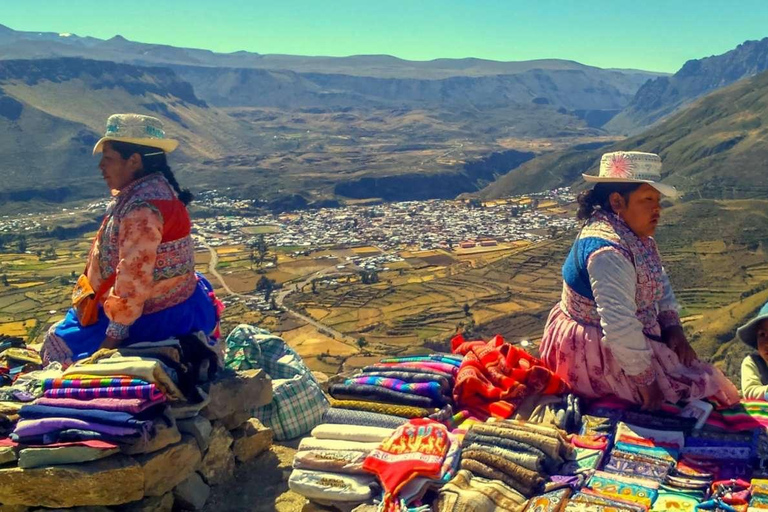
132,405
429,389
26,428
148,391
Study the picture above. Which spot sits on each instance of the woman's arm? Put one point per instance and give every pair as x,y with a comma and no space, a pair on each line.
752,387
141,232
614,281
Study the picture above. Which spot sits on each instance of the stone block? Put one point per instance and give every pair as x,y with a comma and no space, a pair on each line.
192,493
111,481
238,392
40,457
218,464
251,440
167,468
165,435
7,454
162,503
198,427
236,419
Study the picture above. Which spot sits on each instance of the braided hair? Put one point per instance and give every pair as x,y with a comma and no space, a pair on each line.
599,197
153,160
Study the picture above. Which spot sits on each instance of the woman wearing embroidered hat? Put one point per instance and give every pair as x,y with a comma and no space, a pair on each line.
616,331
139,282
754,367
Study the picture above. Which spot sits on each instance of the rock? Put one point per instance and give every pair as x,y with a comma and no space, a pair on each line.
39,457
250,440
167,468
219,462
14,508
111,481
192,493
236,419
165,435
74,509
162,503
238,392
198,427
7,454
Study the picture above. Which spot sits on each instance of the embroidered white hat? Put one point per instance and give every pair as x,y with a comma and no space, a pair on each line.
136,129
631,167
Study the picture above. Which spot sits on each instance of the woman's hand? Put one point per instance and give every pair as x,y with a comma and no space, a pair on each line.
674,338
652,396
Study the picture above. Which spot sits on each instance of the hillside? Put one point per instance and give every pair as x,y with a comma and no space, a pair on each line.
713,149
665,95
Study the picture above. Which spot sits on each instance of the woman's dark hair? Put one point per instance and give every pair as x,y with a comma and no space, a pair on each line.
599,197
152,160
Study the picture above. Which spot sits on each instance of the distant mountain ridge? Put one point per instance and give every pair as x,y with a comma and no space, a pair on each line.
664,95
713,149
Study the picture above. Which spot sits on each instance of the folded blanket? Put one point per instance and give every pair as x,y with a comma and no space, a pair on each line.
336,461
467,492
147,392
355,433
74,436
41,426
371,419
331,487
446,384
431,390
131,405
118,419
524,480
424,365
311,443
550,463
525,459
404,411
106,382
408,369
146,369
441,358
548,445
344,391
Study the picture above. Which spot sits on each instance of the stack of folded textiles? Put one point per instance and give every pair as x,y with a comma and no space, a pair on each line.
759,498
104,403
408,387
518,454
328,466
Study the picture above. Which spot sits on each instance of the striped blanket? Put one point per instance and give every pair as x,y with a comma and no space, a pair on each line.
146,391
95,382
746,415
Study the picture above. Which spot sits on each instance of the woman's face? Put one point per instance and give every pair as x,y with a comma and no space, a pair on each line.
116,171
641,212
762,339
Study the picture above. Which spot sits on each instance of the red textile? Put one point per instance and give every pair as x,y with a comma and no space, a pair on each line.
495,377
414,449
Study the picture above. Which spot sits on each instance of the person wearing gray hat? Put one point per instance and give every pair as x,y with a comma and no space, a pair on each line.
754,367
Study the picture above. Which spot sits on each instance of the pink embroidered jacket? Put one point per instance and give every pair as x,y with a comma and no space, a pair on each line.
145,243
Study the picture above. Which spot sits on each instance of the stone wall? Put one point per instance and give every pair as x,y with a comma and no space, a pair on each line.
173,470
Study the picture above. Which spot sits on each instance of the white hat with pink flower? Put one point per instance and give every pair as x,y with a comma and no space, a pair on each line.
631,167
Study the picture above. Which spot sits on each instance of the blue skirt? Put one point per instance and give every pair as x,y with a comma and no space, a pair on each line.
197,313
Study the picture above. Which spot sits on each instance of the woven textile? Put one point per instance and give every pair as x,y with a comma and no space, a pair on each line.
312,443
524,459
148,392
132,405
495,377
356,433
635,490
106,382
331,487
403,411
467,492
336,461
432,390
524,480
354,391
298,403
553,501
352,417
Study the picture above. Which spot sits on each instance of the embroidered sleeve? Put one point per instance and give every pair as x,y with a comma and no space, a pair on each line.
752,386
613,281
141,232
668,307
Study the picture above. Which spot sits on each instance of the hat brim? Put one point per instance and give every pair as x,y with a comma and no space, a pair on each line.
166,145
666,190
747,332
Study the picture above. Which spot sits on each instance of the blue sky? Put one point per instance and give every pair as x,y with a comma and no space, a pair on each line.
645,34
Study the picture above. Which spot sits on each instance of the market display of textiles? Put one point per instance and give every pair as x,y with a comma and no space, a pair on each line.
115,401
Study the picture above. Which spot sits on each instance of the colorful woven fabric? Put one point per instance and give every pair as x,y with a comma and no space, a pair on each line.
495,377
404,411
417,448
746,415
147,391
355,391
553,501
429,389
105,382
371,419
635,490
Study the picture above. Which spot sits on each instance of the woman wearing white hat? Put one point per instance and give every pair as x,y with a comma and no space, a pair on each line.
616,331
139,282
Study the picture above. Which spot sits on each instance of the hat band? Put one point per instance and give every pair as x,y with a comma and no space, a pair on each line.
150,131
